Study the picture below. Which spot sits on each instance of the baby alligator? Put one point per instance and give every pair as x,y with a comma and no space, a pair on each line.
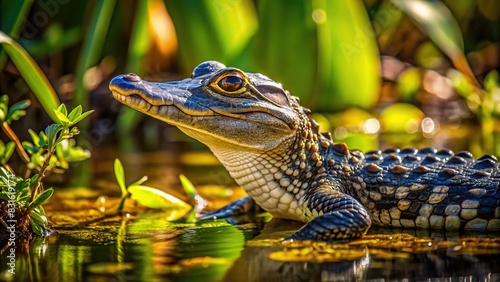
273,149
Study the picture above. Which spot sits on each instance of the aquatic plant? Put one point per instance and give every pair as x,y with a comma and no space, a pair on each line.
51,150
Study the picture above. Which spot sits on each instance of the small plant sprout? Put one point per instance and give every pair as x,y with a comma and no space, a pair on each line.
147,196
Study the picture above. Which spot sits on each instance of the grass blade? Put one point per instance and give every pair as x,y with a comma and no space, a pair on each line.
92,48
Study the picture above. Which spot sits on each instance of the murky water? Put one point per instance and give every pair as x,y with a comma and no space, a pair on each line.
143,245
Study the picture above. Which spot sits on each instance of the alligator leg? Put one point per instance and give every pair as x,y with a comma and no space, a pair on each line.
235,208
340,216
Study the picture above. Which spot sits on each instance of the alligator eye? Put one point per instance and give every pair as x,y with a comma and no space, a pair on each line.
231,83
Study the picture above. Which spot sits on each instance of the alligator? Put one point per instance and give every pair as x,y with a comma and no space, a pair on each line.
274,150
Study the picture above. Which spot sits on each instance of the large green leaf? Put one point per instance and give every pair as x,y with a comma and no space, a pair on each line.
348,57
212,30
32,74
285,46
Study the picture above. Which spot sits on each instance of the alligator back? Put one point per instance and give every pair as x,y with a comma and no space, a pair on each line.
427,188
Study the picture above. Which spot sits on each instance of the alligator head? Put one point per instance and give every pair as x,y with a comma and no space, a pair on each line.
217,105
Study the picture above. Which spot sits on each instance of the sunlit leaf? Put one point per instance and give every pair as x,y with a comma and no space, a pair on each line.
33,75
41,198
155,199
76,112
440,25
188,186
347,56
62,109
63,119
120,176
82,116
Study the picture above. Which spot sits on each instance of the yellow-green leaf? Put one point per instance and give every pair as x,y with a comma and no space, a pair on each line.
120,176
155,199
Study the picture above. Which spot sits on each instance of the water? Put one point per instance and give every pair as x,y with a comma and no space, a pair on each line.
142,245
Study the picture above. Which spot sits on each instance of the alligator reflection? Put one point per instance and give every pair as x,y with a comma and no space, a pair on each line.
400,256
151,248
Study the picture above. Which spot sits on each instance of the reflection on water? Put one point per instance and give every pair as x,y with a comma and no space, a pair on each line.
149,248
145,246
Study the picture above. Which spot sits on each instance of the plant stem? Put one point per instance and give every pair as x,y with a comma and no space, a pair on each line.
19,146
41,174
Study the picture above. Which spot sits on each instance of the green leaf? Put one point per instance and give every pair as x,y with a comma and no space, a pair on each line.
76,112
120,176
32,74
41,198
51,132
348,60
82,116
38,223
29,147
62,109
7,152
63,119
188,186
42,139
34,136
17,108
155,199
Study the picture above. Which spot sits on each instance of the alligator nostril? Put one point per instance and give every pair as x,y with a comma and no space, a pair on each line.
132,77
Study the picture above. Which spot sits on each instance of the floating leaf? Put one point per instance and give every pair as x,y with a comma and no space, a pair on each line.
156,199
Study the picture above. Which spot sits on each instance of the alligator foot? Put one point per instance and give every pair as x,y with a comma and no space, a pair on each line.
338,225
235,208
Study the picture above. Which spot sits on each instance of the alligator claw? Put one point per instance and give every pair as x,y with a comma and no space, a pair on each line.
233,209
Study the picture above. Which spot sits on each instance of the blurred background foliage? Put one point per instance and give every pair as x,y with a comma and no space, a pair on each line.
367,66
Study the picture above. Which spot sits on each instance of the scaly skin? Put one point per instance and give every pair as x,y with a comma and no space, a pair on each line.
272,148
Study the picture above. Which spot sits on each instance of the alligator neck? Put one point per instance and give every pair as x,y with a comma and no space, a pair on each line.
278,179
